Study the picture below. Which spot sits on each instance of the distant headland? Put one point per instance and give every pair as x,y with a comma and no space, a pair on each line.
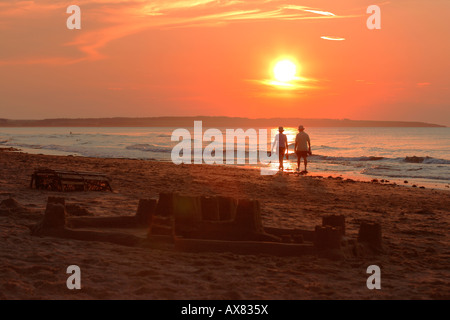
229,122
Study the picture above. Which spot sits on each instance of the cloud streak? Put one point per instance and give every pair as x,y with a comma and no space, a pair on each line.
332,38
104,21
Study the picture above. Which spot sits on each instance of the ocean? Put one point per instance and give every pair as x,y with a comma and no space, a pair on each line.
420,156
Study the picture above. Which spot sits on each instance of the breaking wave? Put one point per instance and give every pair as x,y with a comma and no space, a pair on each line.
149,148
426,160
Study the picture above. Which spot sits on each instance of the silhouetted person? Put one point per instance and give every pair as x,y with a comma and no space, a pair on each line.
282,146
302,147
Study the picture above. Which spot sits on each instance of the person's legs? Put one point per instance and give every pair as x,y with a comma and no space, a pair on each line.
280,160
304,155
281,157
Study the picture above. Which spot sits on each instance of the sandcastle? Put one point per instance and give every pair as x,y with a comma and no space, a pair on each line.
205,224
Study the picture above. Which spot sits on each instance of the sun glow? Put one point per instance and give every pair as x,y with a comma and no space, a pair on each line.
285,71
284,76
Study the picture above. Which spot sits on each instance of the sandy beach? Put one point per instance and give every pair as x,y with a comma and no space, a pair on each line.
415,262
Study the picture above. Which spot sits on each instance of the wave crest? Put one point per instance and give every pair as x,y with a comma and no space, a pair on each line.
425,160
145,147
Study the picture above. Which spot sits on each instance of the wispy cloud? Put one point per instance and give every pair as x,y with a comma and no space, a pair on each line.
324,13
332,38
297,85
104,21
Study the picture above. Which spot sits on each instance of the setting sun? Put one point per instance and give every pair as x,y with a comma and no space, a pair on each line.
285,71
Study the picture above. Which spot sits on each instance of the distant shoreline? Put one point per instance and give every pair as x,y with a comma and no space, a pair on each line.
230,122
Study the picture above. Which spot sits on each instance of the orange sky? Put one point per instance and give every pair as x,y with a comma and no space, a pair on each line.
202,57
